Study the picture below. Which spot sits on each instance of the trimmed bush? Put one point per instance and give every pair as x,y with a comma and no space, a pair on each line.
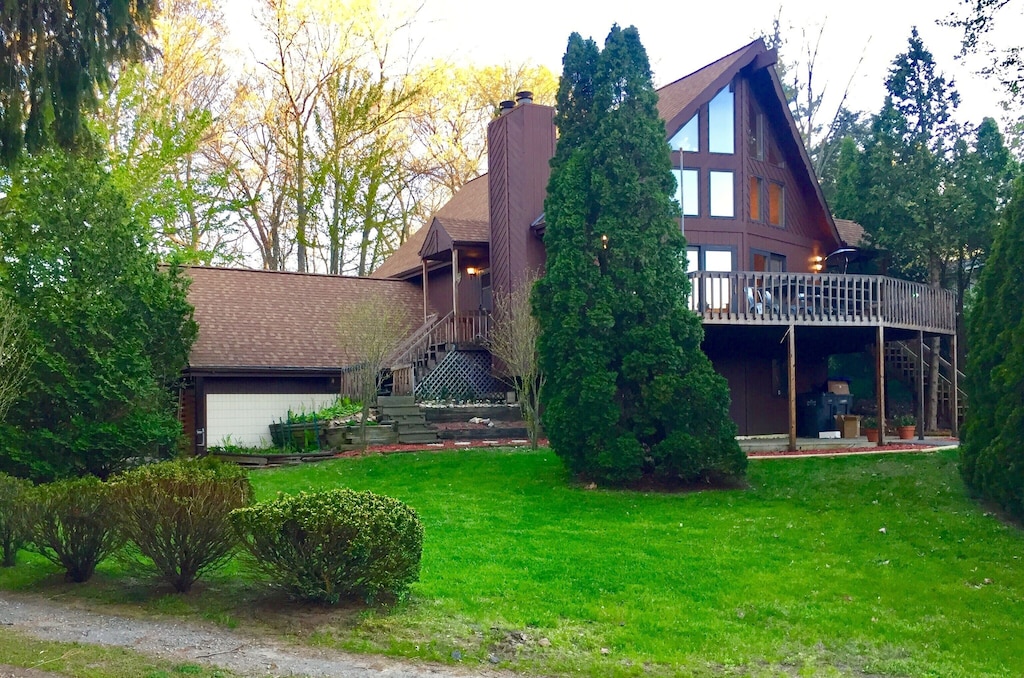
15,516
326,546
176,514
75,525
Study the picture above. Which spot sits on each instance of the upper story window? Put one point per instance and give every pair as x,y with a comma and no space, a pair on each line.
688,191
722,194
686,139
755,135
721,125
776,204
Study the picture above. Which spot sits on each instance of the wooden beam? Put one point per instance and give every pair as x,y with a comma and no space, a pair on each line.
880,383
955,395
920,385
455,282
791,374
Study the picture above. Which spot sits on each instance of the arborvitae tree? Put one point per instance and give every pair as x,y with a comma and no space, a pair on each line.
992,459
629,392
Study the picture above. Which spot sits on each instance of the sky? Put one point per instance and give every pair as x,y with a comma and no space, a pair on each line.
684,36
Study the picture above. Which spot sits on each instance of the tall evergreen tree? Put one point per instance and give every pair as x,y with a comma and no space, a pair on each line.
629,392
54,55
992,459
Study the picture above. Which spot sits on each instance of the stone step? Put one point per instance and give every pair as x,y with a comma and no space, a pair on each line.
395,401
430,437
397,411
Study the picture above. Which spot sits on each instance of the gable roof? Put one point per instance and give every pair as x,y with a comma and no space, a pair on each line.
405,260
275,320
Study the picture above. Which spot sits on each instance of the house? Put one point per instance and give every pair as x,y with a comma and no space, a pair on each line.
772,272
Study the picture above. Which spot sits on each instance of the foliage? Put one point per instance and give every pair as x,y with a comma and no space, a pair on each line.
330,545
992,460
629,393
56,55
14,356
342,408
16,516
109,332
513,342
176,514
76,525
905,420
978,24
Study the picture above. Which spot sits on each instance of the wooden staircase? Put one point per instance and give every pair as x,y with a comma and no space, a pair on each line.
902,359
409,422
433,345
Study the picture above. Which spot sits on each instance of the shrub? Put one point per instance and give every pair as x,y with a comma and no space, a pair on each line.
75,525
176,514
331,545
15,516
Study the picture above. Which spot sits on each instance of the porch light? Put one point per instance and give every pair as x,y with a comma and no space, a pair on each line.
470,270
604,242
817,263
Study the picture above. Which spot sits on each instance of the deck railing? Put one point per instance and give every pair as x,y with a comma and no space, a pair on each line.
746,297
465,327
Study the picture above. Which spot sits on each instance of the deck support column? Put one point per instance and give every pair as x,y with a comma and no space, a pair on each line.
455,283
954,397
920,385
880,383
791,381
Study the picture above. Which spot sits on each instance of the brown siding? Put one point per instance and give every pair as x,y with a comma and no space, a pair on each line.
520,145
187,417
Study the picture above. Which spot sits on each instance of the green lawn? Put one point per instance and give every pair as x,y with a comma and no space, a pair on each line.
846,566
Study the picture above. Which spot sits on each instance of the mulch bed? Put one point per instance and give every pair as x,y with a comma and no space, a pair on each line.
826,451
443,445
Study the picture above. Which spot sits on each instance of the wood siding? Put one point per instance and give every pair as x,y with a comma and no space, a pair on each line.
521,144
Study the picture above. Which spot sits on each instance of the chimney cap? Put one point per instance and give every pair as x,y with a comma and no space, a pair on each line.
505,106
524,97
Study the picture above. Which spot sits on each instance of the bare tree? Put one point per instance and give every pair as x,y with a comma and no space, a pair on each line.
14,358
373,331
514,343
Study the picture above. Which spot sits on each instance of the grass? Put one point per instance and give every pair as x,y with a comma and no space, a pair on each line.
75,659
843,566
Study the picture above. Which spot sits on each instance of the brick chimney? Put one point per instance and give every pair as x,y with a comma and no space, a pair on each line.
520,144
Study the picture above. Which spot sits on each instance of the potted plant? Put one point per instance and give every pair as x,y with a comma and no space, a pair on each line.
906,426
870,429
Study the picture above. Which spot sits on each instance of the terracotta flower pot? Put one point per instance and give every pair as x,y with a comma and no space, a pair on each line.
906,432
871,434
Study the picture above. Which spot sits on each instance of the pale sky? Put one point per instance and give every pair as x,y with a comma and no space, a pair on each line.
684,36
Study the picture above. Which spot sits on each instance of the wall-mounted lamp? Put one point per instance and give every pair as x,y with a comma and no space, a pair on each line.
470,270
604,242
817,263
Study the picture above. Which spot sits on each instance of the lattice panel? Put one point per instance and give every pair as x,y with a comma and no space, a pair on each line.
461,375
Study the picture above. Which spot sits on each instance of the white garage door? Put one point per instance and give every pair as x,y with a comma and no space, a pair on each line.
244,419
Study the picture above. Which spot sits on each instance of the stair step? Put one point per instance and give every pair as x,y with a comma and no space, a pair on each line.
430,437
395,401
400,410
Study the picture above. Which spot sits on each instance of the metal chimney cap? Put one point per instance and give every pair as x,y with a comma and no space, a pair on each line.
505,106
524,97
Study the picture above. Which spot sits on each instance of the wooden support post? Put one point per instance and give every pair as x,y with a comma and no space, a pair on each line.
455,284
880,383
791,367
426,296
954,397
920,385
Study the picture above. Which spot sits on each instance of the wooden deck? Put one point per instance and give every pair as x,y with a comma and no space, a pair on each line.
827,299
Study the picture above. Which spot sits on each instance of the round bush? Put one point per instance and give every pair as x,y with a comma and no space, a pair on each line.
337,544
75,525
15,516
176,513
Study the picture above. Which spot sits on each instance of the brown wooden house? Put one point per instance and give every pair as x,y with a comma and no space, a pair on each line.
774,303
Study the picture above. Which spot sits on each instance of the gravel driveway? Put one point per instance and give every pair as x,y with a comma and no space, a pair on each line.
198,643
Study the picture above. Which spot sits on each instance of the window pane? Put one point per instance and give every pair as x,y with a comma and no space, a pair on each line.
755,199
687,192
721,128
686,138
755,145
775,204
716,290
718,260
721,194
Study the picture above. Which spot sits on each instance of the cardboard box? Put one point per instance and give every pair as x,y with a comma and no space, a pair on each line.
849,424
839,386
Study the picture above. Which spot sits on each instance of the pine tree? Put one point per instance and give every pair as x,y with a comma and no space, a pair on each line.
992,460
629,392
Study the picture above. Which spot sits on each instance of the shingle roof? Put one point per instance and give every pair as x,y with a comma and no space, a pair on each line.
465,218
405,259
269,319
851,232
678,96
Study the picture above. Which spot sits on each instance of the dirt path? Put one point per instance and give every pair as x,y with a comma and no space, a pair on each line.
204,644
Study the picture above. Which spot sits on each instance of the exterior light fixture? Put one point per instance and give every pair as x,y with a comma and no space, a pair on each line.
604,242
470,270
817,263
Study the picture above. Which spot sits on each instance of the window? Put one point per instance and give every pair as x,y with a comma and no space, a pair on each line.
756,188
717,293
767,262
776,204
722,200
721,125
686,139
755,135
688,192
